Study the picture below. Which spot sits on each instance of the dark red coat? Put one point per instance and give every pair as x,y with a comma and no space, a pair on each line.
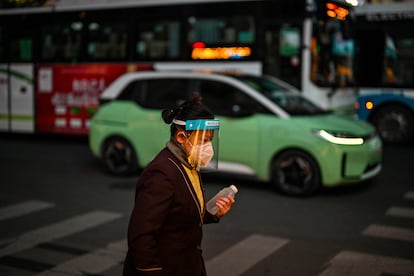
165,229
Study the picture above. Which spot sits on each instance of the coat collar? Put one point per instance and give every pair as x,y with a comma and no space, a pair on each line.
190,187
179,152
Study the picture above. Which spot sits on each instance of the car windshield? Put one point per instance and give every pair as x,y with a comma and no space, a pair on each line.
284,96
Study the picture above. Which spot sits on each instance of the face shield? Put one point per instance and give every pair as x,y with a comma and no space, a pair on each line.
203,141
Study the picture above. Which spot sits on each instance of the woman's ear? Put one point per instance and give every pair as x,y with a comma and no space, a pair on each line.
180,136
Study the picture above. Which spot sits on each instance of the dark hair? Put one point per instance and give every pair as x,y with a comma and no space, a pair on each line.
191,109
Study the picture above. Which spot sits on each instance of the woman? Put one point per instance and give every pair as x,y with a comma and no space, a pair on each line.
165,228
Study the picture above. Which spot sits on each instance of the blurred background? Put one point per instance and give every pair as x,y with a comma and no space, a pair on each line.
61,213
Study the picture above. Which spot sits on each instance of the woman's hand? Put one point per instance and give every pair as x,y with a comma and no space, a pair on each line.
224,204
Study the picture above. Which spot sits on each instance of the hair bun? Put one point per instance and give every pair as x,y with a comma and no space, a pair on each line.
168,115
192,109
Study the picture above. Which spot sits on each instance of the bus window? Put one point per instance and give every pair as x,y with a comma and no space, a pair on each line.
61,41
158,40
21,49
16,44
232,29
107,41
385,59
332,56
332,50
26,45
282,53
398,61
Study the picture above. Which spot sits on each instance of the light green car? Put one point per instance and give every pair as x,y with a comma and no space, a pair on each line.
267,129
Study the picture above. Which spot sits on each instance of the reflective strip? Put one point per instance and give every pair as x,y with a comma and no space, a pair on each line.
202,124
149,269
17,117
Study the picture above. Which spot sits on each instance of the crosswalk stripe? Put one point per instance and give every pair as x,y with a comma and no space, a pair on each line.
400,212
409,195
58,230
389,232
243,255
92,263
23,208
362,264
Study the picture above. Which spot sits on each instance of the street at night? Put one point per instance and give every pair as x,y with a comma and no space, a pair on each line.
61,214
296,94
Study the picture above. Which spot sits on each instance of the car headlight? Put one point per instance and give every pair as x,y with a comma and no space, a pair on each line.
339,138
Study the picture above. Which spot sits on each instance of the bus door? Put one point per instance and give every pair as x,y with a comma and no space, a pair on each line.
282,53
16,84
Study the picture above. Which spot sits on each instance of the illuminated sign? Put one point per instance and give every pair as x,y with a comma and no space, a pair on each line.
336,11
202,52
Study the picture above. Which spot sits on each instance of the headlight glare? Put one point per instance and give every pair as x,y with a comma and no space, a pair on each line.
339,138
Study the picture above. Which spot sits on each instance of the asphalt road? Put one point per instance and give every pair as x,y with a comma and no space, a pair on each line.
60,214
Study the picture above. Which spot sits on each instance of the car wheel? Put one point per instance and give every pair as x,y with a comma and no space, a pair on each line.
119,157
296,173
394,123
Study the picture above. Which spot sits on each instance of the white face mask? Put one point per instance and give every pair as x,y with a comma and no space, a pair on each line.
202,154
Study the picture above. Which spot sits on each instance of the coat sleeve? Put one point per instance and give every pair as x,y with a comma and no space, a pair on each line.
152,202
209,218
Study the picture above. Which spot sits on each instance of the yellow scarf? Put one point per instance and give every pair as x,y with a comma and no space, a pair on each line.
195,181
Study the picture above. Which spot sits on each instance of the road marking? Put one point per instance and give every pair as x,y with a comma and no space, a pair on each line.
400,212
243,255
362,264
23,208
58,230
92,263
409,195
389,232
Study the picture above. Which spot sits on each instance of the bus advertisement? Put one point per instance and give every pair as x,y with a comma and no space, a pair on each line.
65,100
67,97
56,57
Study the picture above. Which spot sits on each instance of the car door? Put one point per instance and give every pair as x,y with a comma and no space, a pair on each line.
239,126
